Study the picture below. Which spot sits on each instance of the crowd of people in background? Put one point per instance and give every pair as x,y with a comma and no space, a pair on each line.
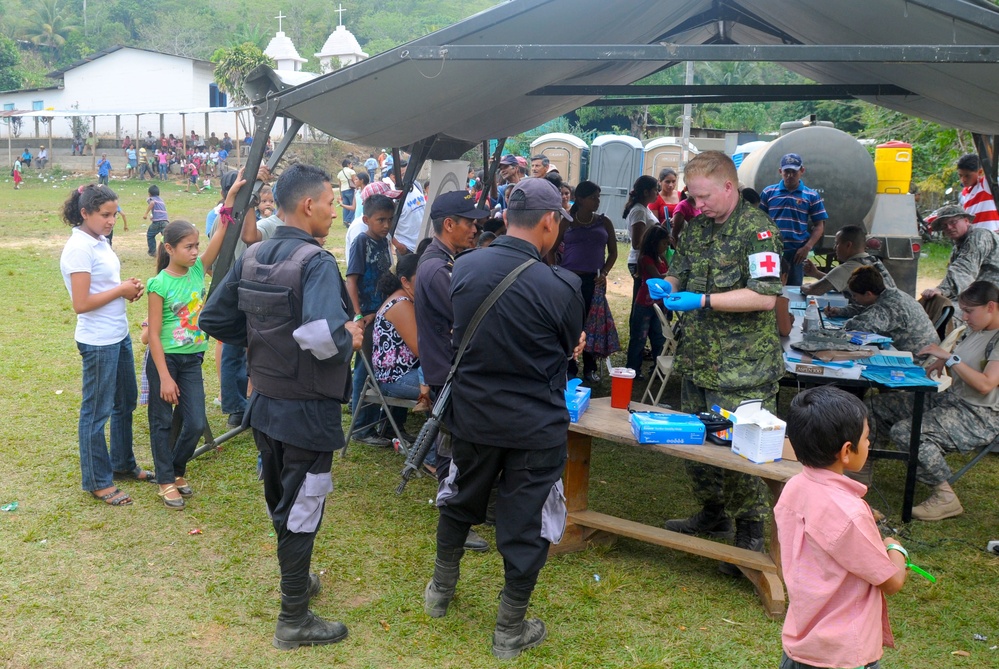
399,305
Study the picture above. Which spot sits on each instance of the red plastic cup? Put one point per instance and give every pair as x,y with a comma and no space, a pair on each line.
622,379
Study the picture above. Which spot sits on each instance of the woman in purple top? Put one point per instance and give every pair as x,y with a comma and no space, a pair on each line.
589,249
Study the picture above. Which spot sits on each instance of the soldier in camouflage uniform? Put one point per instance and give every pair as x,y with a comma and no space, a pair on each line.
966,415
890,312
728,267
975,257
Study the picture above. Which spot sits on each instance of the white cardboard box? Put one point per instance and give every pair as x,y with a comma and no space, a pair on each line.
758,435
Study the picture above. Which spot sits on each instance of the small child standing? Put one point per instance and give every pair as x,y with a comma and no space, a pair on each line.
192,177
158,212
176,348
837,569
370,259
644,323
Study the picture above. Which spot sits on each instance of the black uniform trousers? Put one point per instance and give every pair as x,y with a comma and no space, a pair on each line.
296,482
525,481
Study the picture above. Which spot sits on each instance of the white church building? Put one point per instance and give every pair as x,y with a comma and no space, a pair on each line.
124,90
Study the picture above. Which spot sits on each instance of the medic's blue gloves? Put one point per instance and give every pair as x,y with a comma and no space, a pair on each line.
658,288
684,301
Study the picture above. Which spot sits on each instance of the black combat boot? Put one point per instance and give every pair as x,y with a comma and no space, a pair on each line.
440,590
513,634
710,521
298,626
748,535
315,587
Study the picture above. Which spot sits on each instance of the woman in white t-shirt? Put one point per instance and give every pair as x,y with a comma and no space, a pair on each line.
639,217
92,274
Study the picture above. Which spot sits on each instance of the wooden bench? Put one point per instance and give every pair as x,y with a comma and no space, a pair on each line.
585,527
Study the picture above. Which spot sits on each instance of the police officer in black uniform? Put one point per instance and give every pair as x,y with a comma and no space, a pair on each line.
507,415
285,300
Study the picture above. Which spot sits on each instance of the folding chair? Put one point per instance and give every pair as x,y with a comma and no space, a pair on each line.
982,452
944,321
664,362
371,394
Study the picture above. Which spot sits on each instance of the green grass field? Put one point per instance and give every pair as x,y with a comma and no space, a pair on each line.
86,585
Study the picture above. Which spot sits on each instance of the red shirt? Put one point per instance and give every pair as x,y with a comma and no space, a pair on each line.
978,202
645,265
833,562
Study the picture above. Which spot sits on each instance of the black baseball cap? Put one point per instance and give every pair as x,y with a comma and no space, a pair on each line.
536,194
456,203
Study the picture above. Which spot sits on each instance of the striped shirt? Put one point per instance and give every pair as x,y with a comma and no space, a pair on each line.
792,210
978,202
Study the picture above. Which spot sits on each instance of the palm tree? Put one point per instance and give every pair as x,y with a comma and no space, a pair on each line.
49,27
232,65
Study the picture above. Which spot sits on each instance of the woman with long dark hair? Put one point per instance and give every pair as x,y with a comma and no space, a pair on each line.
589,249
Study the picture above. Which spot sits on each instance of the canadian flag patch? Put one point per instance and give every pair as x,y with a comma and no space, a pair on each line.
765,234
765,264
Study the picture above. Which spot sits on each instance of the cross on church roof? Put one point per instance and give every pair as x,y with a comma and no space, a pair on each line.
340,11
279,17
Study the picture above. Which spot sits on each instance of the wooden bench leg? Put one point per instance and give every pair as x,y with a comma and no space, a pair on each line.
576,481
770,590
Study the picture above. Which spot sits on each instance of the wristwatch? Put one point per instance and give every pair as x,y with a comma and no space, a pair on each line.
952,360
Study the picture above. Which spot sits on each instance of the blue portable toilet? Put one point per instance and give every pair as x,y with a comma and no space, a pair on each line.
615,164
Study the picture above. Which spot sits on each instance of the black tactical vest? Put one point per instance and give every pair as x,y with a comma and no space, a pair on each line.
271,298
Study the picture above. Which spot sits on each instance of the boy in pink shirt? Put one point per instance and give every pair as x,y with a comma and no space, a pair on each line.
836,566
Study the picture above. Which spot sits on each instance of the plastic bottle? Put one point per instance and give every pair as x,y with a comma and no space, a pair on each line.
811,323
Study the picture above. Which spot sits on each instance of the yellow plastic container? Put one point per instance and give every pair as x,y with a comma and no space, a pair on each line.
893,163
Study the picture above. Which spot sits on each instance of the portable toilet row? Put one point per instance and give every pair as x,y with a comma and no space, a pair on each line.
616,162
569,154
613,162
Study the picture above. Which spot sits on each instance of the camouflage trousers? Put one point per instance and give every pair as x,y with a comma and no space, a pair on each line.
949,424
744,497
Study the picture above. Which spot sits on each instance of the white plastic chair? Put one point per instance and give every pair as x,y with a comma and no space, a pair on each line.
664,362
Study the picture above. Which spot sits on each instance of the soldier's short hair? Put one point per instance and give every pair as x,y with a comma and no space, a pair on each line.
543,158
853,234
711,164
821,420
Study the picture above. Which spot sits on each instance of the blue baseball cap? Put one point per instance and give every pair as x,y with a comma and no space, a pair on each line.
791,161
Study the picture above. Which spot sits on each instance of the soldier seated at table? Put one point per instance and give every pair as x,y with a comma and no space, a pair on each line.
888,311
850,249
963,417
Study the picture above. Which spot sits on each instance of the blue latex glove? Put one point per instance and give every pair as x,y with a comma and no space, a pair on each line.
684,301
659,288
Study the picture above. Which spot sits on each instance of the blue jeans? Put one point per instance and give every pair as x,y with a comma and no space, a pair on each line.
644,323
233,380
163,171
155,228
406,387
348,199
109,392
795,273
368,415
171,458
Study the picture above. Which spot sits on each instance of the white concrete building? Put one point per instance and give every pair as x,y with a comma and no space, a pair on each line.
129,80
340,49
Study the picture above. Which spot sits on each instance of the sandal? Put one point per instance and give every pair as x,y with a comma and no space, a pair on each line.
116,497
184,489
423,404
177,504
137,474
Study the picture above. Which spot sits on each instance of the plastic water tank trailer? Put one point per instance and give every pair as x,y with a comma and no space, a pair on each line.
854,191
